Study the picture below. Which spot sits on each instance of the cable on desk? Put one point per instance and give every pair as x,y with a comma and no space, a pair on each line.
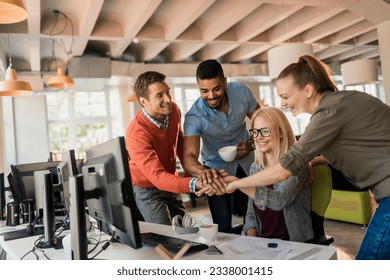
39,242
31,251
35,248
98,241
104,247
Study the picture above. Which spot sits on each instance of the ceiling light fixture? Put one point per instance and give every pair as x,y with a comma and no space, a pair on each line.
132,98
11,86
281,56
12,11
359,71
61,80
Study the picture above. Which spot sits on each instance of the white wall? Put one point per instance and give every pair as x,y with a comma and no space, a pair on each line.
25,130
384,47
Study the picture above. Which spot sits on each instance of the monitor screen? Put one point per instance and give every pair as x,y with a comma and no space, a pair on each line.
68,167
106,173
22,186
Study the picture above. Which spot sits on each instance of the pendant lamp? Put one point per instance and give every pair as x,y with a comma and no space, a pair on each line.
359,72
12,11
61,80
12,87
281,56
132,98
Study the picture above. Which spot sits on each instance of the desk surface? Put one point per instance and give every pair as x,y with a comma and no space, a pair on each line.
233,246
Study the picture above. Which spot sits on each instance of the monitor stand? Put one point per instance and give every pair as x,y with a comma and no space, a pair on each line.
78,229
2,197
49,222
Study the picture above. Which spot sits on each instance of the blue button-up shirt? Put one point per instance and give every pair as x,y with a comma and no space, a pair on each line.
218,130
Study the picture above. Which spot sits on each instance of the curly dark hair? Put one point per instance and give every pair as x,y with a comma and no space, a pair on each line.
209,69
141,85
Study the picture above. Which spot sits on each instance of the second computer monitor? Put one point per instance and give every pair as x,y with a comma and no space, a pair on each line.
68,167
23,178
106,176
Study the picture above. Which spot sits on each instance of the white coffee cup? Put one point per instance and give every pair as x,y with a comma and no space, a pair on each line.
228,153
208,232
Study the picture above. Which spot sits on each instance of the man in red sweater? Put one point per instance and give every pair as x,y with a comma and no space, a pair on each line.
154,138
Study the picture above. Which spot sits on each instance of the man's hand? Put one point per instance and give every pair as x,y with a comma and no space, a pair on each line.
213,179
244,148
210,191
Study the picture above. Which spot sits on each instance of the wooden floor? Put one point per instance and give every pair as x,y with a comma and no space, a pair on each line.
347,236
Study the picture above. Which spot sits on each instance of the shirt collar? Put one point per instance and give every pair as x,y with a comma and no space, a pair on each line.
163,125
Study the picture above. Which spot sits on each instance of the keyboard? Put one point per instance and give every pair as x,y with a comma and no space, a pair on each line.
171,243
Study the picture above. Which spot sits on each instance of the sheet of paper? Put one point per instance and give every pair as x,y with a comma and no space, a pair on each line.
305,254
256,248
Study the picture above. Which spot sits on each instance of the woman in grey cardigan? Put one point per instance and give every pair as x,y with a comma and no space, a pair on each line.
281,210
350,129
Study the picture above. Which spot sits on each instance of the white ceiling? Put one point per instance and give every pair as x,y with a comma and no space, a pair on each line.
172,31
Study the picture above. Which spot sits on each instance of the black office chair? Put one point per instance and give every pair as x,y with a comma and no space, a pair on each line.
321,192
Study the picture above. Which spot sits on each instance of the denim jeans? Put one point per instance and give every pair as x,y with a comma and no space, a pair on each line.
376,241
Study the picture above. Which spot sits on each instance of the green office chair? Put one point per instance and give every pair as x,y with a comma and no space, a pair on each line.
321,192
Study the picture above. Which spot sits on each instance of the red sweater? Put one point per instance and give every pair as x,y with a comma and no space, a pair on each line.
153,153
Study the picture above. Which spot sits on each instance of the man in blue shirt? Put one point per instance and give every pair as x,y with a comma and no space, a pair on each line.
218,119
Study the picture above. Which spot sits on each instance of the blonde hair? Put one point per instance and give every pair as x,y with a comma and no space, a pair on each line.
281,132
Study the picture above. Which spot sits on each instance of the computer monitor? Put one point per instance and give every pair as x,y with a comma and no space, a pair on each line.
68,167
23,183
38,182
106,176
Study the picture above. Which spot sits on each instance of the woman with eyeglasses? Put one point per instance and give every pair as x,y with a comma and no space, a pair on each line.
280,210
350,129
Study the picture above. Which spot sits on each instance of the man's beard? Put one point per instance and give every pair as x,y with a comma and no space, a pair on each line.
217,105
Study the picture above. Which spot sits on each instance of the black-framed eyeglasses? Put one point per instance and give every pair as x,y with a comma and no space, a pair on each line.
254,132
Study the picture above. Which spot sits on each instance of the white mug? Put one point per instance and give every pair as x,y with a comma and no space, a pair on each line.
208,232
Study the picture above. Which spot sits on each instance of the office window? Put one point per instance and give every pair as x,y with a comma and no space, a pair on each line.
185,96
79,120
371,89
